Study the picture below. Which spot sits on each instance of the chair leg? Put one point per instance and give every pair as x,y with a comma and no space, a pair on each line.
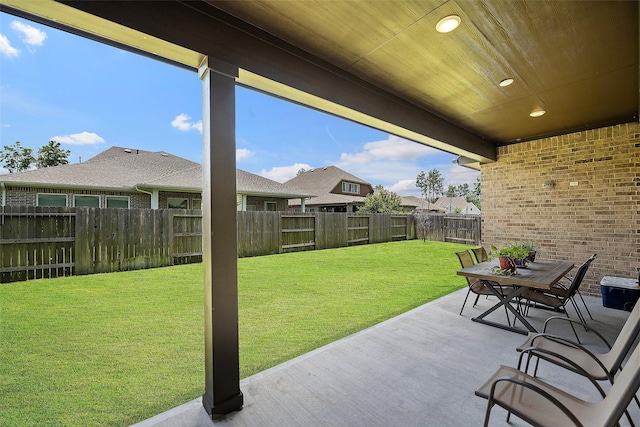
535,371
585,304
465,301
488,413
572,328
476,301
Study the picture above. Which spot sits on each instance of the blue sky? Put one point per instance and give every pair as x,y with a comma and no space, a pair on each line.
89,97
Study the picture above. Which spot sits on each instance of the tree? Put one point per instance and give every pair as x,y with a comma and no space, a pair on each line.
52,155
474,196
301,171
452,191
17,158
382,201
431,184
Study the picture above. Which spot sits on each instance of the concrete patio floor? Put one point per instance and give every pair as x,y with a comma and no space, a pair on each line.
418,369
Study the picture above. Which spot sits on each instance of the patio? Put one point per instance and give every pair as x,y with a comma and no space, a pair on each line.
418,369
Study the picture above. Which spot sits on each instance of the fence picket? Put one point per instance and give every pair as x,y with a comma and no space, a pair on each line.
40,242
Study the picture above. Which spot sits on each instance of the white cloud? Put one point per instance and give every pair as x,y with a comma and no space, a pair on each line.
457,175
243,153
84,138
183,122
6,49
284,173
406,187
29,35
393,148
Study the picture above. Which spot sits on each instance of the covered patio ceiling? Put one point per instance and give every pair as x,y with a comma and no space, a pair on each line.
383,64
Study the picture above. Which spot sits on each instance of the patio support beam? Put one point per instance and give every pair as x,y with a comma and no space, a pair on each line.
274,66
219,238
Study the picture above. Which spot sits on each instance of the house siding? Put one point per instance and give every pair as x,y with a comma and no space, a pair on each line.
26,196
257,203
163,197
365,189
593,207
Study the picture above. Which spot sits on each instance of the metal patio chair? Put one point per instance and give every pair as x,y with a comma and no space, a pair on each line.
477,287
480,254
557,297
576,357
569,278
543,405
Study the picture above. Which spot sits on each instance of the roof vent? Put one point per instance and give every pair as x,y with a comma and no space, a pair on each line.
165,155
127,150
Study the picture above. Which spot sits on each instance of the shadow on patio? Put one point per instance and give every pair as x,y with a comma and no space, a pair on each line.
418,369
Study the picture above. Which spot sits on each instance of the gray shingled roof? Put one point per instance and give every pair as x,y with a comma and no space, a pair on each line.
322,181
413,201
125,169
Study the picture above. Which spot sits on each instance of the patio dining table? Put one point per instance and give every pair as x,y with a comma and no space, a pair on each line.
541,274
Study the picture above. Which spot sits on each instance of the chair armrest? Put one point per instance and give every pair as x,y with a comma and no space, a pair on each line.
537,390
570,362
587,327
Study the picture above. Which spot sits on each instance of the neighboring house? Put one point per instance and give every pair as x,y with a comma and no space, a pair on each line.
418,205
336,190
457,205
128,178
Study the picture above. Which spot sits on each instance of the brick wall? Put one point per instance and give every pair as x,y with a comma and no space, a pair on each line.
26,196
593,207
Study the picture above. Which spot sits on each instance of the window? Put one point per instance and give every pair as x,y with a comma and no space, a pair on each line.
177,203
197,204
86,201
118,202
270,206
52,200
350,187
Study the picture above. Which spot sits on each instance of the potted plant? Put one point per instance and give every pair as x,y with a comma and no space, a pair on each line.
510,256
532,249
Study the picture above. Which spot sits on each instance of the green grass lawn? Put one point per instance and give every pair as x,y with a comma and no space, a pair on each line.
115,349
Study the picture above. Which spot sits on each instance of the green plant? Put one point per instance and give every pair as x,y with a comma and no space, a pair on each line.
532,250
512,251
529,247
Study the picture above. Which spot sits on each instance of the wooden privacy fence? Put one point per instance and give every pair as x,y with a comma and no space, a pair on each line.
450,228
39,242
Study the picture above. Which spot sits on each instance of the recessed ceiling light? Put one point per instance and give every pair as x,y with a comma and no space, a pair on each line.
537,113
448,24
506,82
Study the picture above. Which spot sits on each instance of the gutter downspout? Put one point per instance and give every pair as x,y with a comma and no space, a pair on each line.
4,194
155,197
